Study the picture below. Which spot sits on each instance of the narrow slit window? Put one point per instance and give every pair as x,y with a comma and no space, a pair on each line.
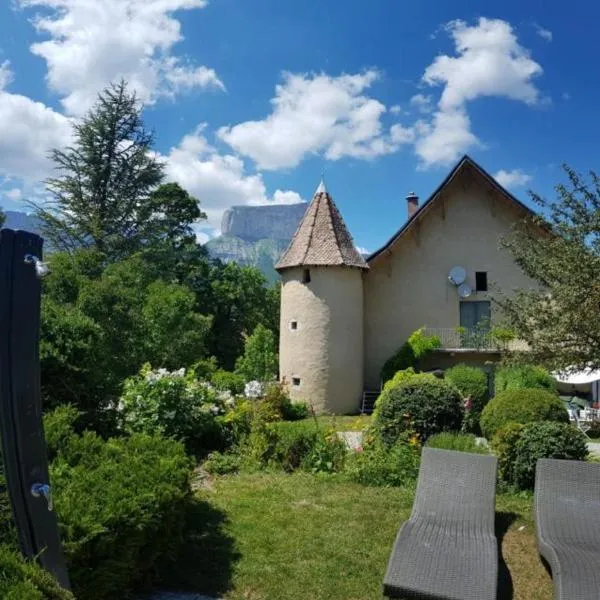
295,381
294,325
481,281
306,276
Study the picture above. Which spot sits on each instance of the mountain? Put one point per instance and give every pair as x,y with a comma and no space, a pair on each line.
20,220
256,235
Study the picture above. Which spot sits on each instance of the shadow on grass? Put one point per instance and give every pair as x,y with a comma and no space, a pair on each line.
205,564
505,585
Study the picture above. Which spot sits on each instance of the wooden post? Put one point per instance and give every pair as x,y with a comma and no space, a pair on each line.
23,442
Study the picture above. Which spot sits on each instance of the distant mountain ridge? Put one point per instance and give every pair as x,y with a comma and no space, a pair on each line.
257,235
23,221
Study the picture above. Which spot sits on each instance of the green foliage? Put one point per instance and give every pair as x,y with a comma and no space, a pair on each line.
423,404
398,378
59,426
561,252
545,440
2,217
504,444
523,376
259,362
120,505
294,411
227,381
417,347
25,580
472,383
291,446
172,405
379,465
223,463
521,406
456,441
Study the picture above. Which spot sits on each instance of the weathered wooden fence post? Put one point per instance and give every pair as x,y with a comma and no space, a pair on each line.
23,444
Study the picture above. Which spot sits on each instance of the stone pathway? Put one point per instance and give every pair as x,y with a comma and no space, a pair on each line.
352,439
594,448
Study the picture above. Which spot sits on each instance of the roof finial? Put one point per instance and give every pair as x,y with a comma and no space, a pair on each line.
322,189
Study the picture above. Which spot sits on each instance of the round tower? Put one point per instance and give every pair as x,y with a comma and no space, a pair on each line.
321,333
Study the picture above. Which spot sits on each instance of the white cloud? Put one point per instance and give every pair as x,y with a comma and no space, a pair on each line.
422,103
312,114
14,194
6,75
29,130
489,61
545,34
512,179
218,180
363,250
396,109
95,42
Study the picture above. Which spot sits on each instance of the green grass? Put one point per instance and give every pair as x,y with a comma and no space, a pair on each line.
344,423
302,537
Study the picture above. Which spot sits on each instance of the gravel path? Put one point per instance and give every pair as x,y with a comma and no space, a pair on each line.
352,439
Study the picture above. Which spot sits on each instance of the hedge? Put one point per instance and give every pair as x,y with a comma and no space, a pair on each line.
521,406
523,377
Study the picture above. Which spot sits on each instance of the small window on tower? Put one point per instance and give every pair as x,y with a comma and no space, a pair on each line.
295,381
481,282
293,325
306,276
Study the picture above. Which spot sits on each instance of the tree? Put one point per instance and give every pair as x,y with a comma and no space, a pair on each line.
2,217
102,195
260,357
560,250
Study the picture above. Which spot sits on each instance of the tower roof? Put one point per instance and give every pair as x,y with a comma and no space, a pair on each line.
322,238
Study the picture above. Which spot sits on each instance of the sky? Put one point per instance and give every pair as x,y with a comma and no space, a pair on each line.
252,101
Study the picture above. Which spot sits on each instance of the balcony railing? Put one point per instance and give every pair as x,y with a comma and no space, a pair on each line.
463,339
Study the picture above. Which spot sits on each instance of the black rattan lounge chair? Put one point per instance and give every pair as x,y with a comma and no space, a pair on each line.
447,550
567,512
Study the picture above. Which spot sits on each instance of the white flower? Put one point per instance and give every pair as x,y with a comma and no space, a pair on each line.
253,389
214,409
224,395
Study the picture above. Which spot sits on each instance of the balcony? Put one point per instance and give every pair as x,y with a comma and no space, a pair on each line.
460,339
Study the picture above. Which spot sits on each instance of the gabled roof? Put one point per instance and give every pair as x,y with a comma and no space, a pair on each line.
464,163
322,238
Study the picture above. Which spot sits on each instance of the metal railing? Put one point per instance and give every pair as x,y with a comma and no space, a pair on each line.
461,338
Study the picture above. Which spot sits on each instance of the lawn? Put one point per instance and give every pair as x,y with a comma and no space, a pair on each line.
304,537
344,423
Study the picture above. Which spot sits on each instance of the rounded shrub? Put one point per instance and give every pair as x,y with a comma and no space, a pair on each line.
423,404
460,442
228,382
398,378
523,377
504,444
25,580
545,440
521,406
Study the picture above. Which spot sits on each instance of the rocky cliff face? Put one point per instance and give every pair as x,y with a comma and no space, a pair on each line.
252,223
257,235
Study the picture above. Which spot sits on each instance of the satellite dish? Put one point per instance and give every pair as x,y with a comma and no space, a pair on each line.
464,290
457,275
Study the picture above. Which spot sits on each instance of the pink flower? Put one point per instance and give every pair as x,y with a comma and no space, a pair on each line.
468,404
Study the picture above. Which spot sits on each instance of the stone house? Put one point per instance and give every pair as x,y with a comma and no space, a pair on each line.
343,316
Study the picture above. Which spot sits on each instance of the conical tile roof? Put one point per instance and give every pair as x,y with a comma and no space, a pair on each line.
322,238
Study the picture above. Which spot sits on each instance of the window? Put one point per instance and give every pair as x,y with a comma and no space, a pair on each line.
306,276
475,314
481,282
295,381
293,325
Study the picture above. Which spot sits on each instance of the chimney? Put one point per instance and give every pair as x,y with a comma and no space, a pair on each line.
412,201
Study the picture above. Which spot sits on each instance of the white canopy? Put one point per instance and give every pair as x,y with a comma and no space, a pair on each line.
577,377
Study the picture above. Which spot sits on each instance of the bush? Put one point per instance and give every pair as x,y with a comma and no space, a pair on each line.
504,444
378,465
219,463
204,368
228,382
417,347
25,580
59,426
423,404
472,383
521,406
172,405
259,361
291,446
398,378
526,376
295,411
457,441
121,506
545,440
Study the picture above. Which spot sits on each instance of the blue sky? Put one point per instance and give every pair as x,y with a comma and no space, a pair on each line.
252,99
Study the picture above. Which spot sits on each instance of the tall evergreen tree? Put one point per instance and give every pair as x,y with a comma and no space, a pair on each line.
560,250
2,217
101,195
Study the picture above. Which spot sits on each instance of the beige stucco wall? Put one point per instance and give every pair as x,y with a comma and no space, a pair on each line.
326,351
408,287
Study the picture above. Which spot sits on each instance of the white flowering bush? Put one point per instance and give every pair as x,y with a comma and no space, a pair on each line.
253,389
173,405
